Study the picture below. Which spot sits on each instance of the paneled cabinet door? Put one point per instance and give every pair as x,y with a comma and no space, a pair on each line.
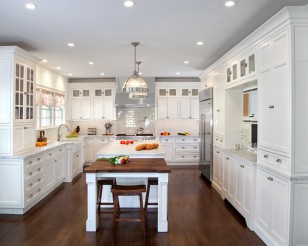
23,137
167,108
49,175
90,150
226,170
168,148
217,167
189,108
103,104
81,109
272,207
60,168
274,94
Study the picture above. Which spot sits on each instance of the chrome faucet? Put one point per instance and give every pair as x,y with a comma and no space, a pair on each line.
138,131
59,135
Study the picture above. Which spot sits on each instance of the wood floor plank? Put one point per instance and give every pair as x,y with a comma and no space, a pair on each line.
196,214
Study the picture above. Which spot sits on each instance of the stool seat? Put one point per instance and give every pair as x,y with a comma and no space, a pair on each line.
127,190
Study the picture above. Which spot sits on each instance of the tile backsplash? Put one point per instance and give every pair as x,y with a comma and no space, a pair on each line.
130,119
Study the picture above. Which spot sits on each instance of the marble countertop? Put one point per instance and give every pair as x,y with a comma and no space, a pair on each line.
114,148
246,155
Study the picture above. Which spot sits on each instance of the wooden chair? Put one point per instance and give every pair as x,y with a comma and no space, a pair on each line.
151,181
127,190
100,185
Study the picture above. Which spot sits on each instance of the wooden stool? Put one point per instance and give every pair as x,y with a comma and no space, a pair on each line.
127,190
151,181
100,185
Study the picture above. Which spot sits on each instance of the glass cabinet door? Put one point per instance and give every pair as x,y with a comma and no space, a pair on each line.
243,66
29,94
19,91
234,72
229,74
251,64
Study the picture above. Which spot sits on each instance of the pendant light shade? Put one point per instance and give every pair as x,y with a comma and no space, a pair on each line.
135,85
138,95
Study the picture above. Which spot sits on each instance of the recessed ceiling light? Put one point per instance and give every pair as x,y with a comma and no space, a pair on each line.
200,43
59,68
70,74
129,3
71,44
30,6
177,73
102,74
230,3
186,62
91,63
44,60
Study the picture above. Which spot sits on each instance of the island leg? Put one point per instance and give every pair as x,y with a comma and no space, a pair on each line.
91,224
162,220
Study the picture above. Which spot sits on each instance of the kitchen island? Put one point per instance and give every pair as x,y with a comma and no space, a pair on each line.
115,148
135,171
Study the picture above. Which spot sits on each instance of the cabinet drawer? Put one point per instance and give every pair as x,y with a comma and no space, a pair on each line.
187,148
187,157
35,172
33,184
34,193
278,162
166,139
32,162
187,140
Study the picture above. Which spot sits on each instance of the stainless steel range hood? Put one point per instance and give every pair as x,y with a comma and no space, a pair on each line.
122,100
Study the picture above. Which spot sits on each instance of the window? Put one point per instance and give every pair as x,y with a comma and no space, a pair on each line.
50,108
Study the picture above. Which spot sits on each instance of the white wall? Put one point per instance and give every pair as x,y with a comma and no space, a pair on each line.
48,78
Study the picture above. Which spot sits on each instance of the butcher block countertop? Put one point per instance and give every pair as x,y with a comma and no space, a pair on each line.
139,165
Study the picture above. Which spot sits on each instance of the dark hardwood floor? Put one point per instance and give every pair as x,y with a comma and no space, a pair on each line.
196,214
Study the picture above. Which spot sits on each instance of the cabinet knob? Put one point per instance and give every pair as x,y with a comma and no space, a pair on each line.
30,162
183,139
271,106
227,158
266,156
39,180
217,152
183,147
30,196
218,110
39,169
30,185
220,140
195,147
270,178
30,174
278,160
50,154
38,159
242,166
39,190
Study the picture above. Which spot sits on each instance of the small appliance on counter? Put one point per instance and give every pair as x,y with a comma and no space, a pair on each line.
92,131
108,126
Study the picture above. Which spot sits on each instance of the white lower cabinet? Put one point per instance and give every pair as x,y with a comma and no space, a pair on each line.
272,208
167,144
234,180
26,181
93,144
76,164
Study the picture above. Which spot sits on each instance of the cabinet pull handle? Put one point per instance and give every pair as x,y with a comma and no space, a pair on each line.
39,169
25,127
39,180
39,190
38,159
30,174
220,140
271,106
216,139
270,178
227,158
50,154
195,147
77,155
183,147
60,150
183,139
242,166
30,196
30,162
278,160
183,156
30,185
265,156
217,152
218,110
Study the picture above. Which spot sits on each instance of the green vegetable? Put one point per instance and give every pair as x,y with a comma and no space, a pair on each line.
75,135
116,160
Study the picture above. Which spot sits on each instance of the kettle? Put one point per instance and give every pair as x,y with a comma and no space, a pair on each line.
108,125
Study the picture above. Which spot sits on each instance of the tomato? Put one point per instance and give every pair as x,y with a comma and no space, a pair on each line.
131,141
122,142
127,142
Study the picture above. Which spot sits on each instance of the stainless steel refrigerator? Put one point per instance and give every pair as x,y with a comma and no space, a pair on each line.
206,133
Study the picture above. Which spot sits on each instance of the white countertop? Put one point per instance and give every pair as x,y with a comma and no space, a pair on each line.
246,155
114,148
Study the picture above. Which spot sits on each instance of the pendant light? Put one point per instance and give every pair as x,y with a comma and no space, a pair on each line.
138,95
135,83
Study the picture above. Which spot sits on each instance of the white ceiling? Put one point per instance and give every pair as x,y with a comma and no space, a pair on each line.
102,31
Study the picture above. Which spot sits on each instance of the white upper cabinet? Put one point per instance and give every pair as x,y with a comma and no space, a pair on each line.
103,103
167,103
90,101
275,94
17,97
189,103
